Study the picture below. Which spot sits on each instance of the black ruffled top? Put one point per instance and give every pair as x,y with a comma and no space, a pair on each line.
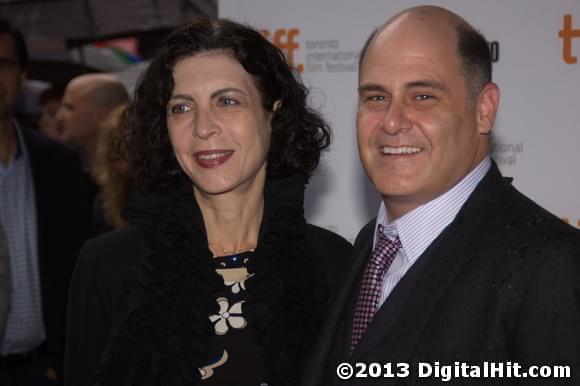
165,334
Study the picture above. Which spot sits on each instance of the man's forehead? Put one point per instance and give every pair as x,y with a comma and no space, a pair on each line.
426,15
413,40
76,91
415,31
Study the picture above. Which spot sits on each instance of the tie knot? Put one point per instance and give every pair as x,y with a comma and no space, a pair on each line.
382,235
385,249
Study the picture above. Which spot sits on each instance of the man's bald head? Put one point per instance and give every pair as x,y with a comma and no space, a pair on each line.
425,107
102,89
87,101
439,23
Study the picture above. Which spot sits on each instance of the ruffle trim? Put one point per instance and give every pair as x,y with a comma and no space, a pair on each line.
165,336
286,297
165,328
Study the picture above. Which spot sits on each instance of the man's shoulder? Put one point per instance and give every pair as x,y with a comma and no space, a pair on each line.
550,232
528,218
515,231
48,150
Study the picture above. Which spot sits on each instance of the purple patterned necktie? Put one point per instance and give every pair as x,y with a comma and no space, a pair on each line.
371,283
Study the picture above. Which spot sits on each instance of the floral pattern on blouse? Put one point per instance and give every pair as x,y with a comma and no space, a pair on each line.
228,316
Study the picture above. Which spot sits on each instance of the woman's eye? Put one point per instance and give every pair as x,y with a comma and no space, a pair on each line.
179,108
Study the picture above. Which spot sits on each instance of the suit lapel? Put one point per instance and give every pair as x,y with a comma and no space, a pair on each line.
387,315
427,284
362,252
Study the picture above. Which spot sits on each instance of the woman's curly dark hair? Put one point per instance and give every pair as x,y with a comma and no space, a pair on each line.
299,134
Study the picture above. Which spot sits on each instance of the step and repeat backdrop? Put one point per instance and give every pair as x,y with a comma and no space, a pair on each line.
536,49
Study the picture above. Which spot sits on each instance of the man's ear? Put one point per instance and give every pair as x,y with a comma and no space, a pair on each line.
487,106
101,113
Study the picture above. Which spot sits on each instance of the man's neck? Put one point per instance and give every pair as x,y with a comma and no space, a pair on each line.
7,141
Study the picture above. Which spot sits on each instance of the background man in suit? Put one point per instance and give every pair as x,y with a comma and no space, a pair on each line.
44,214
458,266
4,281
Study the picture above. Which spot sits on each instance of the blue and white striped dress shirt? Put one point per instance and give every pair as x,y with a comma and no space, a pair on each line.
421,226
24,326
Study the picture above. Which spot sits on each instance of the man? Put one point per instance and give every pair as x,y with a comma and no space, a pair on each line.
87,101
4,281
458,268
44,214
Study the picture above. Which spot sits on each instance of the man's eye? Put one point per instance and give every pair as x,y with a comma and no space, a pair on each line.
375,98
227,101
179,108
7,64
423,97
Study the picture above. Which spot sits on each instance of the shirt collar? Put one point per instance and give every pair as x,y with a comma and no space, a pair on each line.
20,149
421,226
20,145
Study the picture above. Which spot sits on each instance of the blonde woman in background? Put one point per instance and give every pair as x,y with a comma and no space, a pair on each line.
110,173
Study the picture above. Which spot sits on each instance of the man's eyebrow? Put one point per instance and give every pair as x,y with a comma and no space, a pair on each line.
370,87
427,84
414,84
8,61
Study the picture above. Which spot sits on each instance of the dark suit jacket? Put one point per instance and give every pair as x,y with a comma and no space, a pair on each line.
63,220
501,283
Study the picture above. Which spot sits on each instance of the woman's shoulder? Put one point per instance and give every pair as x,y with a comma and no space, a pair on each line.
332,253
322,235
114,251
327,243
121,240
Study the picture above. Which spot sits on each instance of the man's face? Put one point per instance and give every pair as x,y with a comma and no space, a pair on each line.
78,117
11,76
418,132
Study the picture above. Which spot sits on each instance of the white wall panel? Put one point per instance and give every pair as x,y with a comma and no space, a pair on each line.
537,133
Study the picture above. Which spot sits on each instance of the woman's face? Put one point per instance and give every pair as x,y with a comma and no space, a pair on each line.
47,123
218,129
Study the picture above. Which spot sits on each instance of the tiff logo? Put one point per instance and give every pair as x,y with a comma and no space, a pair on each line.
284,39
567,33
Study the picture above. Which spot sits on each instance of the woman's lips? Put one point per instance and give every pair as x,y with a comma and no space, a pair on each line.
212,158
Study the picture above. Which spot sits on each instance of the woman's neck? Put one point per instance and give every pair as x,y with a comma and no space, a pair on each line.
232,220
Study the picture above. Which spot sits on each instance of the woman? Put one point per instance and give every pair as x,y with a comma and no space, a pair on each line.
219,280
49,103
111,174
